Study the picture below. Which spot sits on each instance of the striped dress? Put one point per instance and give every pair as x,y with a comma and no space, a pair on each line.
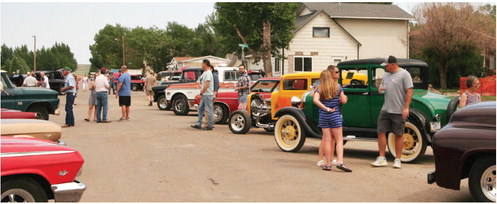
331,119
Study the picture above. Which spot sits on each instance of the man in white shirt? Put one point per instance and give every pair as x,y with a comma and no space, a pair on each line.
101,89
45,79
30,81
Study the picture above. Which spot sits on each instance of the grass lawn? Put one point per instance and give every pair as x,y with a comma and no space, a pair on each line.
488,98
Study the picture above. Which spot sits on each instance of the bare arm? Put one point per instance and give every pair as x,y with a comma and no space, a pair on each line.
405,112
343,98
462,100
119,86
318,103
206,86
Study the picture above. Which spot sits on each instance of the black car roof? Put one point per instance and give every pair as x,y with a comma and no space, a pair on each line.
403,62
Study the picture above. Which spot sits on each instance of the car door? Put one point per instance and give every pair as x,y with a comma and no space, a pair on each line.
356,112
10,94
376,99
289,88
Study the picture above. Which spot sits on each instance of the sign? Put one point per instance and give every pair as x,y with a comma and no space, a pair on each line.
243,45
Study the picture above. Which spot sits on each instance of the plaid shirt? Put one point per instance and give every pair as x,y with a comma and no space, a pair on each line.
244,80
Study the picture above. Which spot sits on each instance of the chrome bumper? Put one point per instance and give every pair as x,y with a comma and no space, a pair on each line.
68,192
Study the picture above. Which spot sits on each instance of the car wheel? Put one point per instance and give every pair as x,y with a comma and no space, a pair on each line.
23,190
162,103
289,134
240,122
414,143
452,107
220,113
482,180
41,110
134,87
180,105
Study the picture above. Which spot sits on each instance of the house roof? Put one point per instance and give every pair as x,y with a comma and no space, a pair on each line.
205,57
360,11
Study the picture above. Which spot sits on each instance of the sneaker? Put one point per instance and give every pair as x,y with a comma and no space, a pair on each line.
207,128
380,161
396,164
196,126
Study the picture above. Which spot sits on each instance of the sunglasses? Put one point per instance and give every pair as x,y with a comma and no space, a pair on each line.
336,72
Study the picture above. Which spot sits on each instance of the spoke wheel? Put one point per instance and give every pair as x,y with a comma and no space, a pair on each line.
289,134
414,143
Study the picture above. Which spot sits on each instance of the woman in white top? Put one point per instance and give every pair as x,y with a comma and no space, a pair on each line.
85,83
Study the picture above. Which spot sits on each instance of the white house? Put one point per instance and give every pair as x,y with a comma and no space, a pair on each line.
328,33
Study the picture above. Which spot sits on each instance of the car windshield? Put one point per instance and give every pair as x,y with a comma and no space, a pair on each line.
265,86
189,76
6,81
255,76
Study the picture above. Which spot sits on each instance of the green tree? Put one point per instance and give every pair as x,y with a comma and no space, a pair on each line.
265,27
7,53
107,49
16,65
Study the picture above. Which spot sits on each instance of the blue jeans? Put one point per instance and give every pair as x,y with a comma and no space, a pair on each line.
101,104
205,104
69,104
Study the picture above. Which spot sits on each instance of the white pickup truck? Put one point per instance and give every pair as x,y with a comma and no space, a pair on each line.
182,96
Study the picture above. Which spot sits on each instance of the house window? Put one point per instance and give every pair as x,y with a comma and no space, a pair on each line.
277,65
321,32
303,64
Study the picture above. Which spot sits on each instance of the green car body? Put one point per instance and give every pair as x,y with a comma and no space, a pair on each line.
31,99
428,111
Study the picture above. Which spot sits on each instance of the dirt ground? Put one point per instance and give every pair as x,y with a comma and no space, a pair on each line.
156,156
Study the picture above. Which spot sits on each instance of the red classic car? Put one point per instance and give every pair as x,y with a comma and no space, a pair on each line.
227,102
16,114
35,170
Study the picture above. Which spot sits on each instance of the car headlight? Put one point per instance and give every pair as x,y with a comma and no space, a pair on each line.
296,101
435,126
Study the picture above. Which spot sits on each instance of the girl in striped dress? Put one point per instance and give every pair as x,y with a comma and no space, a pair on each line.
328,98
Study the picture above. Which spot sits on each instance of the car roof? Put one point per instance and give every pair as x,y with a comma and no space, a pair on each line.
303,74
403,62
270,78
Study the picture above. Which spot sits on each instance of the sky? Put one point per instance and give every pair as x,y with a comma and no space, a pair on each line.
75,24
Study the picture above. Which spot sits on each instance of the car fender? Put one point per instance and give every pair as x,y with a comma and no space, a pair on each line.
300,116
421,119
469,158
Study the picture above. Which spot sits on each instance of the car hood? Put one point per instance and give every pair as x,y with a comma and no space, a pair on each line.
19,145
41,129
38,91
438,101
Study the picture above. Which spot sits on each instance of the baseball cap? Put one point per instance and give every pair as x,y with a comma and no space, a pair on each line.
67,69
388,60
103,70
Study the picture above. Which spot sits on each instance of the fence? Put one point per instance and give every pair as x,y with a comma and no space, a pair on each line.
487,85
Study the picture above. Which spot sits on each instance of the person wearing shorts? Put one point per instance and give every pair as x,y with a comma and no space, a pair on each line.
243,88
124,92
328,98
150,81
397,84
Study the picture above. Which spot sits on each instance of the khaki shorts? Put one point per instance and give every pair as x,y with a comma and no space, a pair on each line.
388,122
150,93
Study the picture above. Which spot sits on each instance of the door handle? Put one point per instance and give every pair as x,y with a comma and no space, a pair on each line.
365,93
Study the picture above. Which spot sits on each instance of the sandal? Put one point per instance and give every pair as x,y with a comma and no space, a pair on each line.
86,119
342,167
326,168
321,163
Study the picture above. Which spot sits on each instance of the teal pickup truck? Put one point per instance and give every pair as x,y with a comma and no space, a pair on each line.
31,99
429,111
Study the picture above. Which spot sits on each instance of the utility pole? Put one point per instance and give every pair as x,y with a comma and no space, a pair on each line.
124,52
34,52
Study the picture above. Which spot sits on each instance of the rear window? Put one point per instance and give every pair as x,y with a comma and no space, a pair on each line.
231,75
295,84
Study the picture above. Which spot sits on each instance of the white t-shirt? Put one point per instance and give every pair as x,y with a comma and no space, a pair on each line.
46,81
101,83
30,81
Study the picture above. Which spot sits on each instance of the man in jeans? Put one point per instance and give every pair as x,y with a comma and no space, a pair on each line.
207,94
101,89
70,89
397,84
243,87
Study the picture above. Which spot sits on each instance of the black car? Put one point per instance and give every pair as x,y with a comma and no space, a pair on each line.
55,78
188,75
465,148
17,79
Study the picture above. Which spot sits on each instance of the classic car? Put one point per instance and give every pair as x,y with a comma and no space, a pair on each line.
16,114
260,110
227,102
40,129
182,96
56,79
17,79
465,148
35,170
29,99
428,112
166,76
188,75
137,83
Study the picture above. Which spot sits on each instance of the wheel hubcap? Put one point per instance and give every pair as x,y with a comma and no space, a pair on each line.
179,105
163,103
218,113
487,183
237,122
289,132
17,195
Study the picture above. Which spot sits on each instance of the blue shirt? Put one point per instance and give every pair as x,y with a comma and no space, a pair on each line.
125,79
70,81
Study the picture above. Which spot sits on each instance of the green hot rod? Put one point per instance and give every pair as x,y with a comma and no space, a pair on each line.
428,113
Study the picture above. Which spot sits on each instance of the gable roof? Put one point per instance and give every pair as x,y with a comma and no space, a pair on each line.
359,11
